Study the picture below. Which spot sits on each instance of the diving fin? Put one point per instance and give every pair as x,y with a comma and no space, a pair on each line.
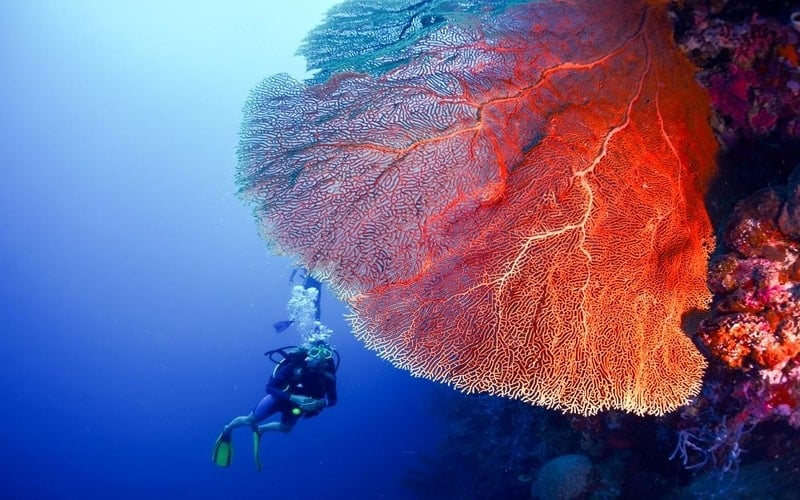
223,450
281,326
256,445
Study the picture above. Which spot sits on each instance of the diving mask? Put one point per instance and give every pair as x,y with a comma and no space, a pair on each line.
320,352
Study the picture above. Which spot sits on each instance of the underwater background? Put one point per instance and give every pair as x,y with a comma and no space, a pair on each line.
136,297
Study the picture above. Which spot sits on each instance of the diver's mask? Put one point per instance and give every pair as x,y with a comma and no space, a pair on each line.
317,355
320,352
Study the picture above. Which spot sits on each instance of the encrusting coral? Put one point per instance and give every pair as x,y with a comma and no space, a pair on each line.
755,323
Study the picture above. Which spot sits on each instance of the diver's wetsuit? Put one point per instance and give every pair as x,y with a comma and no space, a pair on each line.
296,379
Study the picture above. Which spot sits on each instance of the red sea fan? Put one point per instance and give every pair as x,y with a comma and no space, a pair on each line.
511,203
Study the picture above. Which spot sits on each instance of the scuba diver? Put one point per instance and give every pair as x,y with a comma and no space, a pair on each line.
303,383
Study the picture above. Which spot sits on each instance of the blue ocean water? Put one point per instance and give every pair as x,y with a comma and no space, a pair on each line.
136,297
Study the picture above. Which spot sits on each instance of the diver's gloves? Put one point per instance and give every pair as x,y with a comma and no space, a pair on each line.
306,403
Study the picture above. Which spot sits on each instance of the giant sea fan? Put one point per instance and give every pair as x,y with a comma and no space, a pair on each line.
507,194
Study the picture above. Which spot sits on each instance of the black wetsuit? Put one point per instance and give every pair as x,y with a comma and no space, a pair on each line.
296,378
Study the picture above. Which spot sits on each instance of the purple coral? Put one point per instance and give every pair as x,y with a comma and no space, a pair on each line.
751,68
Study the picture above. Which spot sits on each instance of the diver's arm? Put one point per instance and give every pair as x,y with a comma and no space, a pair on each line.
278,386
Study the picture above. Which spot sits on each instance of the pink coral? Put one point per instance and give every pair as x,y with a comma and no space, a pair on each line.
755,322
750,68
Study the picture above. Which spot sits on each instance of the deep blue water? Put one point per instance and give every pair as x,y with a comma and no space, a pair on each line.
136,298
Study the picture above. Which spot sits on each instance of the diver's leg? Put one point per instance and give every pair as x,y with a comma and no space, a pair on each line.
274,426
263,409
285,425
238,422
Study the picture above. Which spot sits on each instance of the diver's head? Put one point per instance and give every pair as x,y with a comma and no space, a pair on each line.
318,354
